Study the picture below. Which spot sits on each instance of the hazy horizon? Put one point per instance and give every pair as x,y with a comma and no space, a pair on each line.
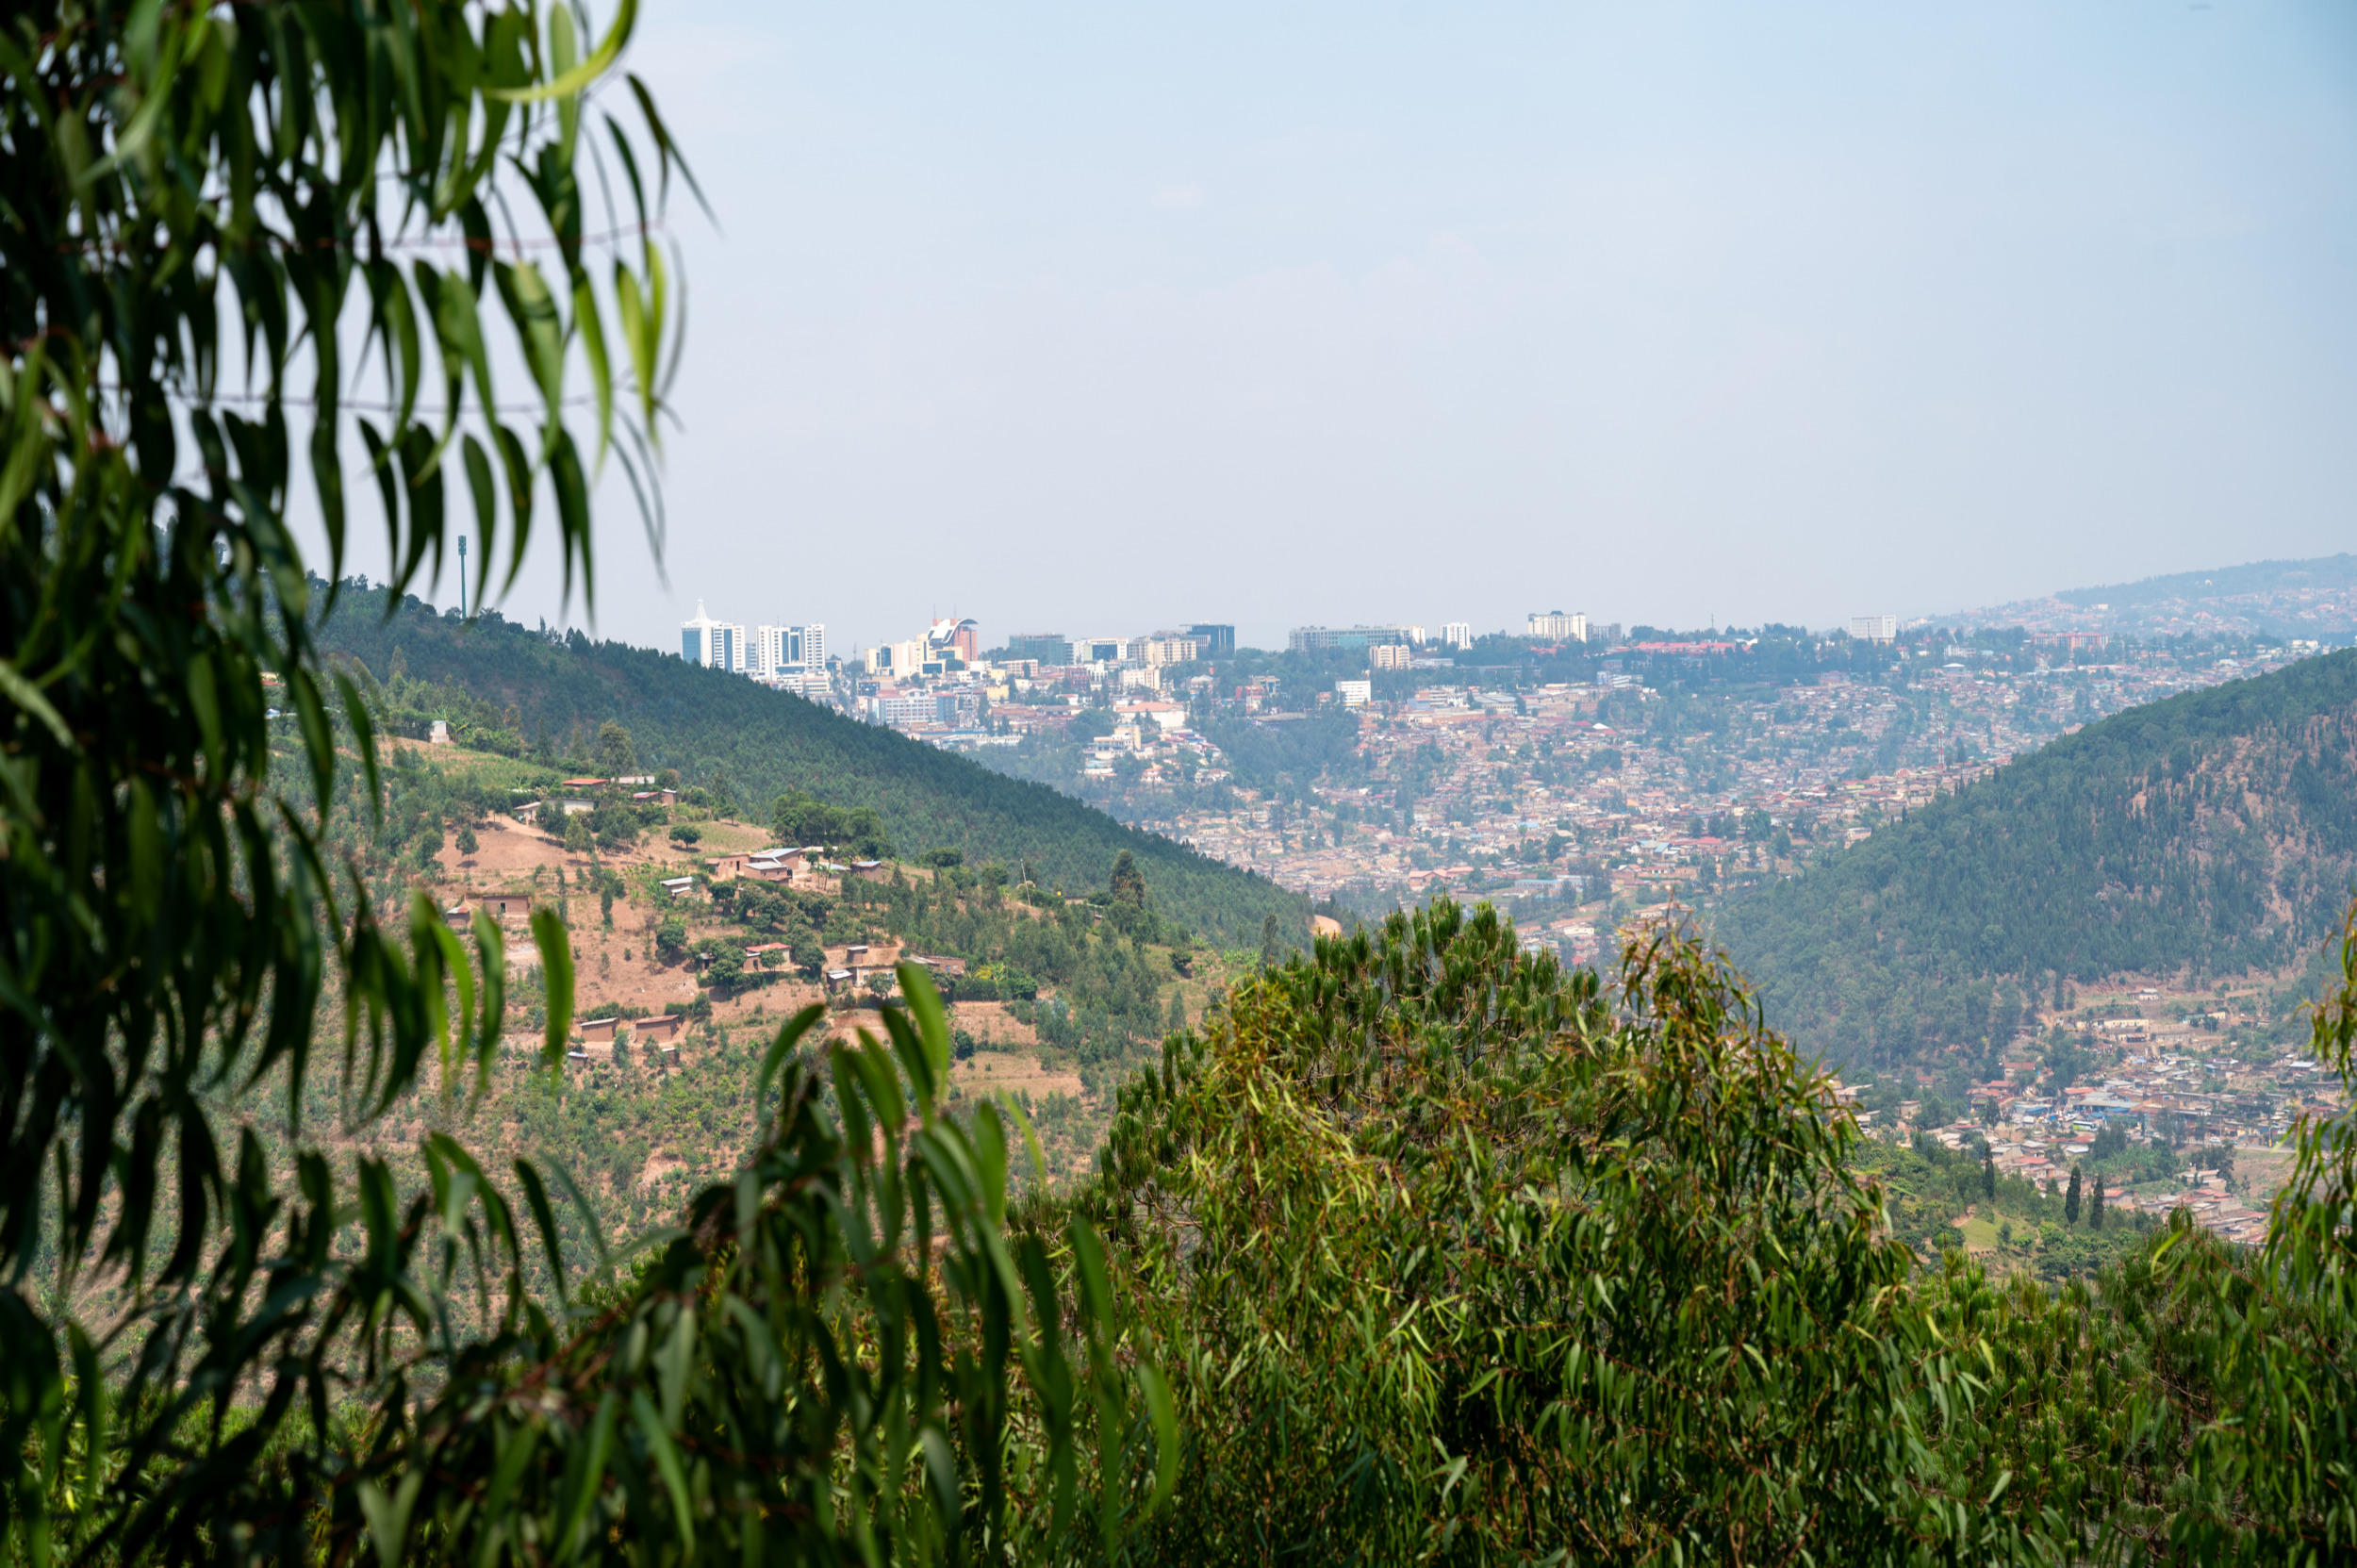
1092,321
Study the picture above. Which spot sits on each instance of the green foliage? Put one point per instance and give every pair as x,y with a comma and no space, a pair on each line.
1126,908
798,819
839,1344
614,753
313,1364
2206,834
1459,1259
172,920
408,708
1323,744
2278,1336
724,963
1453,1256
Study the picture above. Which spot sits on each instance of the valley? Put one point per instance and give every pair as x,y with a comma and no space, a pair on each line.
688,952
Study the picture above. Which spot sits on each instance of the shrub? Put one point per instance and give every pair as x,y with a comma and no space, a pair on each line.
670,939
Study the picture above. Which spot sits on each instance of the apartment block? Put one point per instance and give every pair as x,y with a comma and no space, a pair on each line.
1456,634
903,707
1874,628
1321,639
958,708
1171,648
816,684
1554,626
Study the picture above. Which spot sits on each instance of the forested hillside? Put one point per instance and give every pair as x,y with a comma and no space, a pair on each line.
2211,834
739,739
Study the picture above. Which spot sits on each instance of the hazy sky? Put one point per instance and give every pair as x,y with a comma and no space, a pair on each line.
1099,318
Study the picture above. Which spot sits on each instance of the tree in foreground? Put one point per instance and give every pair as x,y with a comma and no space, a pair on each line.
322,1357
1456,1255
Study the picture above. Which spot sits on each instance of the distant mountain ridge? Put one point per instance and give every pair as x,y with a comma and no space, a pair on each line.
2323,571
710,724
2312,599
2205,836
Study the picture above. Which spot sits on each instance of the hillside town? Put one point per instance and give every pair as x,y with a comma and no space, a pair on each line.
1506,791
1672,767
2197,1125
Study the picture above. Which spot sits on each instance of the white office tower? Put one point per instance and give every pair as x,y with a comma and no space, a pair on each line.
1874,628
714,644
780,652
1456,634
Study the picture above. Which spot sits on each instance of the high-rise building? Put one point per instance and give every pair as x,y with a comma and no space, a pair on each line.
1874,628
1100,651
715,644
1217,642
1355,694
768,652
1456,634
954,639
1046,646
781,650
695,641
